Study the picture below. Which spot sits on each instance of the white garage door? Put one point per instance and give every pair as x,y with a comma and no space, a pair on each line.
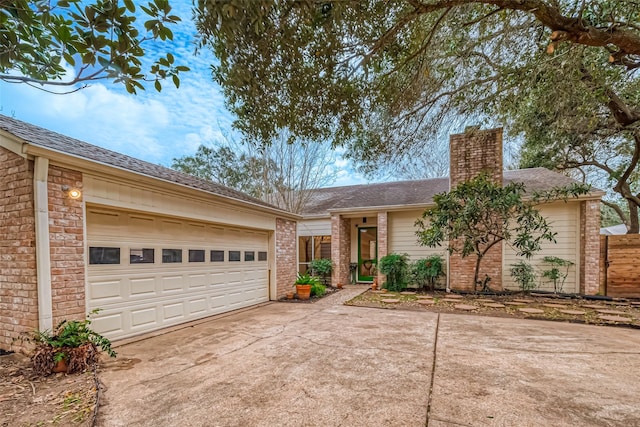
148,272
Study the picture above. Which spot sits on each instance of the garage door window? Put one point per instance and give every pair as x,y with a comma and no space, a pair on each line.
217,256
102,255
234,255
249,256
171,255
141,256
262,256
196,255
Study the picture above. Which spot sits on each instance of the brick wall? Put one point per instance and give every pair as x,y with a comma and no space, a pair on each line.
18,284
286,256
383,246
340,249
66,237
472,153
590,253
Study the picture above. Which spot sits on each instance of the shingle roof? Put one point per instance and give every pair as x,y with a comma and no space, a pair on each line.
416,192
45,138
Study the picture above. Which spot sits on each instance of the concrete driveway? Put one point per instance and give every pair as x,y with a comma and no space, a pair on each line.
326,364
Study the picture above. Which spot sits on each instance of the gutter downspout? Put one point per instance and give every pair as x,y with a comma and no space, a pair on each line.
43,252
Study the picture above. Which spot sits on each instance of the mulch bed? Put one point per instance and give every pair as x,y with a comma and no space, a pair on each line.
620,312
330,291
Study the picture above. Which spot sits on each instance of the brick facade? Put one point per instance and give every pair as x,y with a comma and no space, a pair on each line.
340,249
590,253
286,256
383,245
18,283
472,153
66,240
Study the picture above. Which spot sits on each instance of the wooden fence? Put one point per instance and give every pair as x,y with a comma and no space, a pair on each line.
620,264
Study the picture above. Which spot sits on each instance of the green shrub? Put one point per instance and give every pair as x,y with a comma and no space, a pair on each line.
322,267
73,341
318,290
425,272
524,275
396,268
557,272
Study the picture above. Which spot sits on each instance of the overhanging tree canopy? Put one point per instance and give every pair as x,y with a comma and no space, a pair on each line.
379,75
100,40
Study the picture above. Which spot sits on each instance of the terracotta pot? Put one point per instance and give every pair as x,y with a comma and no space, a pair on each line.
289,295
61,366
303,291
339,285
374,286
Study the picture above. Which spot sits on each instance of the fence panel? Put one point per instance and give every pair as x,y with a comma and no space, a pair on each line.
623,269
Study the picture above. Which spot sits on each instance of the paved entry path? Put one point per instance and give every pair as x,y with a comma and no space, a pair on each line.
326,364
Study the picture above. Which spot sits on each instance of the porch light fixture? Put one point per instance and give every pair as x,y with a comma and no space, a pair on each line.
72,193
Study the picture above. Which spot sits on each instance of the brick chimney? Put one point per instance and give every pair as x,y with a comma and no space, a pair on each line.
472,153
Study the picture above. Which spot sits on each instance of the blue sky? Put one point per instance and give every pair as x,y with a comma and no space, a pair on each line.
156,127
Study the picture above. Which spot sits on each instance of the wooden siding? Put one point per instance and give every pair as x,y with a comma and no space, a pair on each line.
403,239
564,219
315,227
115,193
623,274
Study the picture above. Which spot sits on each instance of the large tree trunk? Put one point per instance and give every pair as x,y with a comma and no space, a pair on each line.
634,227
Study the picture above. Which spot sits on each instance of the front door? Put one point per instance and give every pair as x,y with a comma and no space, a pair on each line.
367,253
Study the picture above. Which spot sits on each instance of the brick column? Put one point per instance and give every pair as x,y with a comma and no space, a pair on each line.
383,242
66,241
340,249
18,284
590,245
472,153
286,256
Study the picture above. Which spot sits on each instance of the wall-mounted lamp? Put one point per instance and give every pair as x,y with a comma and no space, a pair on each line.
72,193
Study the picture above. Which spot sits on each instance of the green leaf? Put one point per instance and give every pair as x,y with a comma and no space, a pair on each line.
131,7
158,86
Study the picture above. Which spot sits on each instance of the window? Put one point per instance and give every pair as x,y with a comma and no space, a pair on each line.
262,256
310,248
171,255
102,255
141,256
249,256
217,256
196,255
234,255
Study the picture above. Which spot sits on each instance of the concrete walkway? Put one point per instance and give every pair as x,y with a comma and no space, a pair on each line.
326,364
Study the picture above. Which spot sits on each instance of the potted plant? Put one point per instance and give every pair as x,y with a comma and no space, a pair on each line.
303,285
322,267
71,347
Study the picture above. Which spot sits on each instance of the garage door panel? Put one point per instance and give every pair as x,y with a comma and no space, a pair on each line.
105,291
141,287
197,281
141,297
172,283
143,316
173,311
109,323
197,306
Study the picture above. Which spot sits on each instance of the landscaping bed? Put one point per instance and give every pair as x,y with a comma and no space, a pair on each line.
27,399
619,312
329,291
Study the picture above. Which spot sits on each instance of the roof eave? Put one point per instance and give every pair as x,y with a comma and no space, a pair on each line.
88,165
